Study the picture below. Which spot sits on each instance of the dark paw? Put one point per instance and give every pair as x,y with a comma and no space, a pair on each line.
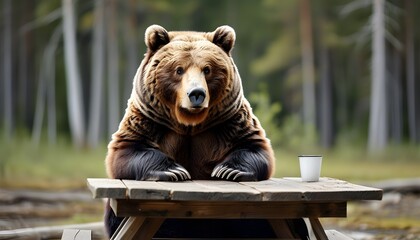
173,173
224,172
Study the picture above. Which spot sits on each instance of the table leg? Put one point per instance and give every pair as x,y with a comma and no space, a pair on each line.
282,229
318,229
138,228
149,228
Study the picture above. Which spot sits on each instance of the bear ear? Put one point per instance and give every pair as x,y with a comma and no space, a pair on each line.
155,37
224,37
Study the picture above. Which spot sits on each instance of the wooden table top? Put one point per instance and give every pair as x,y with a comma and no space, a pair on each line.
274,190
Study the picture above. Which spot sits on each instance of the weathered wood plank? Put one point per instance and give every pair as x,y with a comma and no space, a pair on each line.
149,228
75,234
107,188
147,190
127,230
281,228
318,229
51,232
275,189
336,235
329,189
211,191
226,209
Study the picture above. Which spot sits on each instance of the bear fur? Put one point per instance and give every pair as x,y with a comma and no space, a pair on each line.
187,117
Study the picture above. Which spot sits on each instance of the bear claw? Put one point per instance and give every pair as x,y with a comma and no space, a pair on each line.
174,173
227,173
180,174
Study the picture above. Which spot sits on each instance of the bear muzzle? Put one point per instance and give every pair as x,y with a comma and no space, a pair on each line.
197,97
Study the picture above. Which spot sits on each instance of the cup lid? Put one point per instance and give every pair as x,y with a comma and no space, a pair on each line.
310,156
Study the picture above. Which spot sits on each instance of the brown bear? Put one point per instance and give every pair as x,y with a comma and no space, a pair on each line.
187,117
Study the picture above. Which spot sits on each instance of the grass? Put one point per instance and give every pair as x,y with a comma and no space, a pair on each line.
61,166
353,164
48,166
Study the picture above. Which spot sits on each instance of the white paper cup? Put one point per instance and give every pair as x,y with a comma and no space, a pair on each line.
310,167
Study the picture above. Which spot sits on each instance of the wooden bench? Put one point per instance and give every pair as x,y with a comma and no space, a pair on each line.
146,204
76,234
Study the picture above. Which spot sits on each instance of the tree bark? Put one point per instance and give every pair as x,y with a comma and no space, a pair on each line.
26,70
326,116
395,97
7,69
40,105
411,87
378,131
132,51
113,79
74,94
98,68
308,76
50,74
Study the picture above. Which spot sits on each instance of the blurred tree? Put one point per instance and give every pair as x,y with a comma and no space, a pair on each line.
74,91
46,91
410,74
131,48
378,126
97,74
113,87
7,69
308,72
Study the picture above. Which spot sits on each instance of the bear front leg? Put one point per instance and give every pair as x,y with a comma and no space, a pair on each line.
137,162
144,164
244,165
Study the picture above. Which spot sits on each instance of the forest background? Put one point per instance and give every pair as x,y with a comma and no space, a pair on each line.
333,77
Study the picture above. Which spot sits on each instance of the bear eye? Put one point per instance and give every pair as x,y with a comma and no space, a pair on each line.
179,70
206,70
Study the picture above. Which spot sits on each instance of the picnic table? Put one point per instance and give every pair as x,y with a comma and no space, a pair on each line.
146,204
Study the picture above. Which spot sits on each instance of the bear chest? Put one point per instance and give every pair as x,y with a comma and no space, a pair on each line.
199,154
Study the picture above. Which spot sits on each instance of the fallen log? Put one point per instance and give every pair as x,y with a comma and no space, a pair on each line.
53,232
410,185
15,196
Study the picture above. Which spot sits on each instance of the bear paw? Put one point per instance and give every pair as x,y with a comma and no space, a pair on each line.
226,173
174,173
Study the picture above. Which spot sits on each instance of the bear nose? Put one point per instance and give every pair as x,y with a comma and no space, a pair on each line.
197,96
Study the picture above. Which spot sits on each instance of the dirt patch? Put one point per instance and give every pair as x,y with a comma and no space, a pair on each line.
32,208
397,216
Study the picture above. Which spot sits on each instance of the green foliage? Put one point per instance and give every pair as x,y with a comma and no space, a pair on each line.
267,113
23,164
298,137
291,134
280,54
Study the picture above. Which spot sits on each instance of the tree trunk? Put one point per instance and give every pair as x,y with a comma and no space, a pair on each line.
74,93
378,131
326,116
395,97
132,51
308,76
98,67
26,75
7,69
46,92
113,80
411,87
40,104
50,74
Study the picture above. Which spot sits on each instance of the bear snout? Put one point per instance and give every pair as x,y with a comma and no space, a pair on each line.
197,96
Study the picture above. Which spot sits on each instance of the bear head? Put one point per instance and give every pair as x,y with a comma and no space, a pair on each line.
188,78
